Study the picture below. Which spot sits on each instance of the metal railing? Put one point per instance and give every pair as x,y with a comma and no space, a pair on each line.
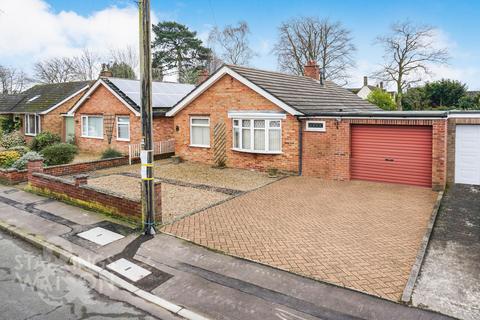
159,147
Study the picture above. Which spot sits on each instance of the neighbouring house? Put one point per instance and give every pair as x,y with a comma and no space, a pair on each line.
366,89
254,119
108,115
43,107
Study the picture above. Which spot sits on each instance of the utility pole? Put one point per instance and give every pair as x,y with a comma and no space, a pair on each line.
148,210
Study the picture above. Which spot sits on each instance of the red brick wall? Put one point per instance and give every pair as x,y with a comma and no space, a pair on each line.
116,204
327,154
12,176
103,102
225,95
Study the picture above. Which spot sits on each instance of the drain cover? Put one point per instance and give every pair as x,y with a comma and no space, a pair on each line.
128,269
100,236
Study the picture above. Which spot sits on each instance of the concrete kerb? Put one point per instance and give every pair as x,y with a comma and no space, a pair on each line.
412,279
99,272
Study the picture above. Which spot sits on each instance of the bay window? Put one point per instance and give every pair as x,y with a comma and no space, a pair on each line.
92,127
257,135
200,132
123,128
32,124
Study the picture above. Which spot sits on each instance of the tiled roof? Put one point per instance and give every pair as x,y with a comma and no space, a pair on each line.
304,93
8,101
41,97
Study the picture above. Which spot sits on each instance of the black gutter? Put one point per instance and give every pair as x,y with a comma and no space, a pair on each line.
300,147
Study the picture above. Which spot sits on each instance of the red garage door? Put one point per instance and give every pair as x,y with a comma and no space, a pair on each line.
398,154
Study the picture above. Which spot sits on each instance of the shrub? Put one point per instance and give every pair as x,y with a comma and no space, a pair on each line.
111,153
43,140
21,163
12,139
7,158
59,153
20,149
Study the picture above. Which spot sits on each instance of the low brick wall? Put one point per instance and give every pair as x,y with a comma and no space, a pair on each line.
79,192
74,168
13,176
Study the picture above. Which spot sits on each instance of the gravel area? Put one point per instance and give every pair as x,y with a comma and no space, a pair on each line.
237,179
177,201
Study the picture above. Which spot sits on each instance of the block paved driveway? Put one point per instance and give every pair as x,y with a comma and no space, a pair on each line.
356,234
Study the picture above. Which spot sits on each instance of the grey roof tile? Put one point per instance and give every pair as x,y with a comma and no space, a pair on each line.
42,97
305,94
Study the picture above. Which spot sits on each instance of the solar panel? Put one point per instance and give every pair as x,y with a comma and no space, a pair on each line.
164,94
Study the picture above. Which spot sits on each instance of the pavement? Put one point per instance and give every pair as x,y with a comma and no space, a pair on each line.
35,286
357,234
196,282
449,281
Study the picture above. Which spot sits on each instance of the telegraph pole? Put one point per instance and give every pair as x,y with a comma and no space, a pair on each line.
148,210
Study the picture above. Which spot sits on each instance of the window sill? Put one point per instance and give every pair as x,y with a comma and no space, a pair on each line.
86,137
199,146
258,152
123,140
31,134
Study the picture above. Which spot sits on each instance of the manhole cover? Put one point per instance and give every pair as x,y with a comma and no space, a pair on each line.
100,236
128,269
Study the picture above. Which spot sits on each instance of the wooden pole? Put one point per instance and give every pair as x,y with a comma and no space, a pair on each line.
146,108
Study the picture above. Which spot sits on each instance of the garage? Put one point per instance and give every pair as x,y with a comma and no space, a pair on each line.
467,154
392,153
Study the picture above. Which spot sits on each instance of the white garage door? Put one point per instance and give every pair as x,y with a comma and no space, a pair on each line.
467,154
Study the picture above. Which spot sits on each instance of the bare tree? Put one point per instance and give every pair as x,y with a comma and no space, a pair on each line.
12,80
87,65
127,55
55,70
233,42
309,38
409,50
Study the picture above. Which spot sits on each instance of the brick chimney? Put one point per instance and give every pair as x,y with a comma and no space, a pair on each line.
312,70
381,85
105,73
365,81
202,76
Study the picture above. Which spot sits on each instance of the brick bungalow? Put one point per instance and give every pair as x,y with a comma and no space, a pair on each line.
108,115
255,119
43,107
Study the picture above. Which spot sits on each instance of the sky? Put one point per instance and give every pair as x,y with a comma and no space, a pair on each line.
31,30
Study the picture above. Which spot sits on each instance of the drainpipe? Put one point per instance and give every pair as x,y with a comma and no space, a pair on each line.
300,146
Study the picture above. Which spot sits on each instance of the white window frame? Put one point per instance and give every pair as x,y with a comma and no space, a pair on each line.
199,125
118,123
323,129
86,117
27,128
252,135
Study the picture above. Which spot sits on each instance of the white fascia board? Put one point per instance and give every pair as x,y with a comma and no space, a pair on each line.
220,73
92,89
64,100
474,115
256,115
